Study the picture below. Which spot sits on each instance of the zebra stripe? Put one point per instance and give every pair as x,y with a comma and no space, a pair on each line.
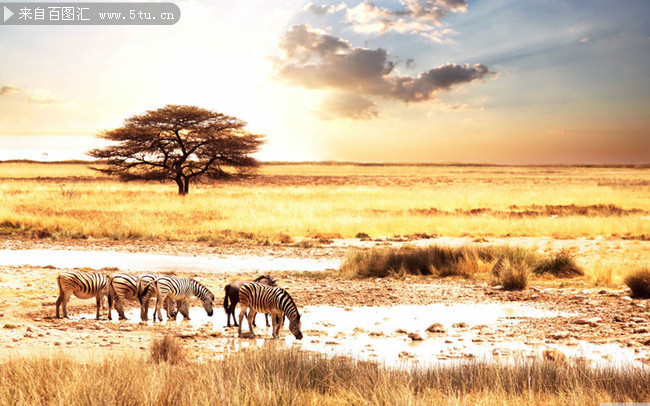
121,286
146,289
269,299
83,285
181,289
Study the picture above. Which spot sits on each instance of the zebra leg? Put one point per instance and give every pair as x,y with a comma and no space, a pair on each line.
274,321
266,317
242,313
144,310
231,311
64,305
251,319
183,309
119,306
157,311
99,305
61,300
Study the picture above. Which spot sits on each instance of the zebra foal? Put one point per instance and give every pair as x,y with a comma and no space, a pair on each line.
180,290
83,285
268,299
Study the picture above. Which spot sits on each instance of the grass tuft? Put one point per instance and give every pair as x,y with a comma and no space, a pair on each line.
278,376
639,282
167,349
560,265
512,275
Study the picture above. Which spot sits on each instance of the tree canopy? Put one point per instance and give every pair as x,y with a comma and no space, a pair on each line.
180,143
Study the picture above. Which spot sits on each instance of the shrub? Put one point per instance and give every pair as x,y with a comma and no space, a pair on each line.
167,349
561,265
639,282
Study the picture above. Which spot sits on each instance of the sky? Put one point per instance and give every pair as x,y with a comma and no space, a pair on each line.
482,81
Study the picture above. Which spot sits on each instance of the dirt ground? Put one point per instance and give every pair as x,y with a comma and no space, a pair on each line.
599,315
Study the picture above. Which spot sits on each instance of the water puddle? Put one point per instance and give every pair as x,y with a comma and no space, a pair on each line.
128,261
466,332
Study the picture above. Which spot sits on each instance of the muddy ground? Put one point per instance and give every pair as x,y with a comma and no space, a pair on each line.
599,315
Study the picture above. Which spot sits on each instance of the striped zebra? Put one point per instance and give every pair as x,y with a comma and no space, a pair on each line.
84,285
146,290
181,289
268,299
128,287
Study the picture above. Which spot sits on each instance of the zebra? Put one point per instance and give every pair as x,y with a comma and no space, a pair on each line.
84,285
232,293
180,289
125,286
268,299
146,289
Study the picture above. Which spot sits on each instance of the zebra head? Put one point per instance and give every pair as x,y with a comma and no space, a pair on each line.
207,303
294,327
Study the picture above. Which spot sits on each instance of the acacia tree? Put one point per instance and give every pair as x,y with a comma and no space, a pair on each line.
181,143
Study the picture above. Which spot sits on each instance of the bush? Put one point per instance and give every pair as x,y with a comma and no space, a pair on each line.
561,265
639,283
167,349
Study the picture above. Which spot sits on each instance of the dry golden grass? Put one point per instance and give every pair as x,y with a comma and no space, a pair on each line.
283,377
70,200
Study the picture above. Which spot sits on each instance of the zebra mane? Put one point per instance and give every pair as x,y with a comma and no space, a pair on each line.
200,286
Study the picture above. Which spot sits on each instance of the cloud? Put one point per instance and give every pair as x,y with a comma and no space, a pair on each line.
347,105
41,96
324,10
422,18
317,60
10,89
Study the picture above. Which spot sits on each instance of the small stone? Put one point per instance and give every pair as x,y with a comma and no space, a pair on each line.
638,320
415,337
640,330
401,331
331,343
57,343
436,328
459,325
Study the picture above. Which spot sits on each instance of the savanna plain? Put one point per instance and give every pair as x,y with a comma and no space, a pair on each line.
560,253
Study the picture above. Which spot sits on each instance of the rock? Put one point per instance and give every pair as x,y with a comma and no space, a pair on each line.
593,322
497,287
187,334
332,343
559,335
376,334
404,354
638,320
415,337
459,325
647,342
641,330
436,328
401,331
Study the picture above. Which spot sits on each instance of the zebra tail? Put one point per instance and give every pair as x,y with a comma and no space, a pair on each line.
142,293
225,299
111,293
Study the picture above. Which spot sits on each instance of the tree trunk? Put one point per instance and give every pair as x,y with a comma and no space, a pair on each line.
186,187
182,186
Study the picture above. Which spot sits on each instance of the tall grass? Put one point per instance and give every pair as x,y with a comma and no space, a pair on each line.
305,201
511,265
285,377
